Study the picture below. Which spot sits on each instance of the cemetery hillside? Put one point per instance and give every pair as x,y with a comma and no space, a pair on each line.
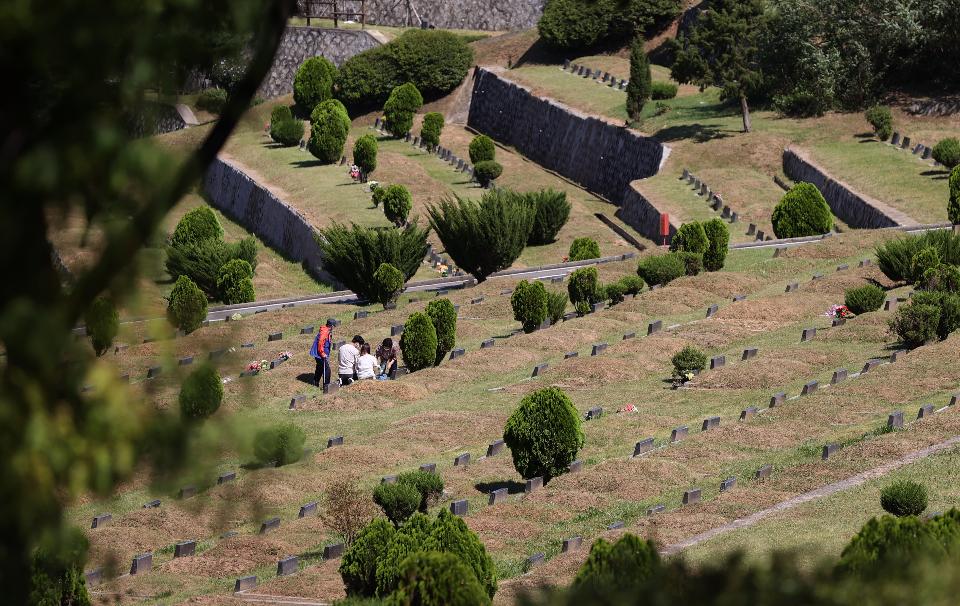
512,302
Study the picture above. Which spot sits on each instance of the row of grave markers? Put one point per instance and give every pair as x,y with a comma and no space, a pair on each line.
716,201
598,75
459,164
922,151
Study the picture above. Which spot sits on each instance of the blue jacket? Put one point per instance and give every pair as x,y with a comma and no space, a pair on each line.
321,344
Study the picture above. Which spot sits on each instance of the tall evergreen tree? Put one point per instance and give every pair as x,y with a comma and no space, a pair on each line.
638,91
722,50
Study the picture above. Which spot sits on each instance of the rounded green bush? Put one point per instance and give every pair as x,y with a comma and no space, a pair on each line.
916,324
102,321
926,258
235,282
437,579
431,129
584,286
365,154
197,225
556,306
487,171
398,501
280,444
553,211
864,299
661,269
418,343
904,498
583,249
544,434
663,90
201,393
629,560
212,100
443,315
719,236
329,126
529,303
288,133
358,568
313,83
691,237
801,212
632,285
947,152
614,293
245,249
404,101
889,541
953,206
947,303
187,305
688,359
943,278
389,283
428,485
397,202
881,120
482,149
692,262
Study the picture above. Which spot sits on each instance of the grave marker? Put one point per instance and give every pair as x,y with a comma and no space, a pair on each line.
245,584
456,353
247,346
249,373
334,441
865,263
713,309
228,476
396,329
838,322
748,413
184,549
870,365
459,508
792,287
759,234
571,544
890,305
533,484
571,354
332,552
297,399
594,413
728,484
308,509
269,525
152,504
598,349
764,472
843,267
808,334
897,354
776,253
739,298
629,335
307,330
429,467
495,448
691,496
895,140
717,362
331,388
141,563
575,467
617,525
476,301
810,388
498,496
539,369
895,420
751,229
534,561
274,336
359,315
154,371
710,423
654,327
749,354
643,447
829,450
287,566
679,433
777,399
925,411
187,361
388,480
188,491
839,375
461,460
101,520
597,307
487,344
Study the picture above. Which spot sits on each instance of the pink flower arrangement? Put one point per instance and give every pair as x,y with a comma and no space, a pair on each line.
258,366
839,311
628,408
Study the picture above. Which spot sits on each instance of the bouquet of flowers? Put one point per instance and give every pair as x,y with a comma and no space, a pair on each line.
628,408
284,355
681,380
839,311
258,366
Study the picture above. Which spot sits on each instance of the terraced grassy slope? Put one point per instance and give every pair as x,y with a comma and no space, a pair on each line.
461,406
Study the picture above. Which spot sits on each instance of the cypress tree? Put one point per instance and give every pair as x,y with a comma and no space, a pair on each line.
639,88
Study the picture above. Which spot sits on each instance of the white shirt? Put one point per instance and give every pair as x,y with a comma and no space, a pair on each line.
367,367
348,358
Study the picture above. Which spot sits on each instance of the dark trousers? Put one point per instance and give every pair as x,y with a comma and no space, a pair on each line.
322,373
391,370
347,379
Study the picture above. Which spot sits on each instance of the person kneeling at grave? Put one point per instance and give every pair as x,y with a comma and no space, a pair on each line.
348,355
367,365
388,353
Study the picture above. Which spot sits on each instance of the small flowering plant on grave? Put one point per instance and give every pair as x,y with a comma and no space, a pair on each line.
840,312
258,366
629,408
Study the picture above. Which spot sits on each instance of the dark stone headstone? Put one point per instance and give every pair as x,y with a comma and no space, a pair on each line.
308,509
498,496
495,448
429,467
712,310
728,484
895,140
245,584
487,344
456,353
570,354
792,287
905,144
629,335
331,388
154,371
691,496
287,566
895,356
269,525
717,362
738,298
764,472
332,552
141,563
643,447
184,549
810,388
759,234
539,369
274,336
656,509
533,484
617,525
808,334
927,153
334,441
476,301
152,504
187,361
865,263
749,354
751,229
594,413
461,460
598,349
679,433
459,508
870,365
228,476
297,399
829,450
307,330
925,411
748,413
597,307
534,561
895,420
654,327
575,467
843,267
249,373
571,544
777,399
710,423
839,375
101,520
188,491
838,322
954,399
247,345
358,315
890,305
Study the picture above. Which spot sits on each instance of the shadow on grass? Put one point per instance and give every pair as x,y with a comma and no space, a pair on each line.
936,174
511,486
700,133
867,135
309,163
275,145
306,377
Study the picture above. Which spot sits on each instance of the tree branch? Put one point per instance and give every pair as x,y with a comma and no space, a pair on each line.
120,251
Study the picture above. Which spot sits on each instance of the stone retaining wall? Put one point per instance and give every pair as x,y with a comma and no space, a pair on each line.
600,156
156,119
641,214
271,219
490,15
301,43
854,208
